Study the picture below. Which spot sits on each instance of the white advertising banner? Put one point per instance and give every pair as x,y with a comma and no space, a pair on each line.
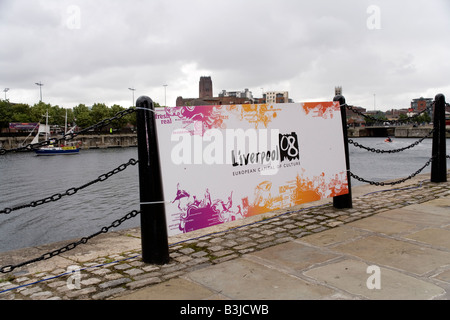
222,163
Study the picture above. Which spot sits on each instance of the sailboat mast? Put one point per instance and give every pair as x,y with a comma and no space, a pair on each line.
46,126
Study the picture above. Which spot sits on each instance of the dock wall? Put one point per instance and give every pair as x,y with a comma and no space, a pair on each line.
397,132
100,141
94,141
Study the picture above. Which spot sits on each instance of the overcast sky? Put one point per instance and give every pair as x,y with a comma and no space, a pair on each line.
382,53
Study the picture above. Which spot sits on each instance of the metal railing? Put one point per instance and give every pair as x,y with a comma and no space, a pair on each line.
156,255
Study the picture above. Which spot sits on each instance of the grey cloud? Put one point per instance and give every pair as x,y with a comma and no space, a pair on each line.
96,53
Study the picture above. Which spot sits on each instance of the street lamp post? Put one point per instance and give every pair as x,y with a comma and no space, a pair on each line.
132,89
5,91
40,89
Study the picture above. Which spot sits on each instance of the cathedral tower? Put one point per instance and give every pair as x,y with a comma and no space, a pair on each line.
205,88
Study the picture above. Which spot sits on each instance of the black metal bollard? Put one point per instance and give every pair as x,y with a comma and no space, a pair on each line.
439,162
345,200
155,247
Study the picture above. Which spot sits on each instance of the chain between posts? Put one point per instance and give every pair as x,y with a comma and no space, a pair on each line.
71,191
356,144
393,182
73,245
71,135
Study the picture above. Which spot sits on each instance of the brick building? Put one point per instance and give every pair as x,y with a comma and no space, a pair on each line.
206,97
421,104
205,88
277,97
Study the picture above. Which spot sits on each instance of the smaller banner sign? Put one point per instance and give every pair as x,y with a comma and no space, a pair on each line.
22,126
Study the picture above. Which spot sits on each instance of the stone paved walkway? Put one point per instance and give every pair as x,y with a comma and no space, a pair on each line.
110,265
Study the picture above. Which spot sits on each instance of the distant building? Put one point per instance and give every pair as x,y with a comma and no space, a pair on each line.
229,97
421,104
205,88
394,114
246,94
205,96
356,118
277,97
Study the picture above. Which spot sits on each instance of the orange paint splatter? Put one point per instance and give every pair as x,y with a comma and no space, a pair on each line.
258,114
295,192
322,109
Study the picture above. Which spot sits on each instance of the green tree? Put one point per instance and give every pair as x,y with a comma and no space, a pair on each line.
99,112
402,117
376,119
120,123
131,119
5,114
58,116
20,113
38,111
82,116
423,118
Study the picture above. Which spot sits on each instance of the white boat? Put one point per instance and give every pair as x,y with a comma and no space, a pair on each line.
51,149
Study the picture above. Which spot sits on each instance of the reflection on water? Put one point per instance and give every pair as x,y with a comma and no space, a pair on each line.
26,177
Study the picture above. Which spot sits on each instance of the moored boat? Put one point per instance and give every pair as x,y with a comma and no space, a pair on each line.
51,150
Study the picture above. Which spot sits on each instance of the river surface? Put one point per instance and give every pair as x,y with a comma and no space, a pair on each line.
25,177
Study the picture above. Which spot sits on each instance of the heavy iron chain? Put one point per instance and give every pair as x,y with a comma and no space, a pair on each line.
71,135
393,182
73,245
73,190
351,108
356,144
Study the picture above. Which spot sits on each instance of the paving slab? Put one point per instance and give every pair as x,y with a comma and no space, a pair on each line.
433,236
242,279
353,276
443,276
437,206
100,246
18,256
333,236
397,254
414,215
384,225
292,256
173,289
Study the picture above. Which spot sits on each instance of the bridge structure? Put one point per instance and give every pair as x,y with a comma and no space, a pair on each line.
380,131
389,130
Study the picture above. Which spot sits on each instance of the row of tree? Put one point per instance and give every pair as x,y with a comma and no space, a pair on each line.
424,118
82,115
85,116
